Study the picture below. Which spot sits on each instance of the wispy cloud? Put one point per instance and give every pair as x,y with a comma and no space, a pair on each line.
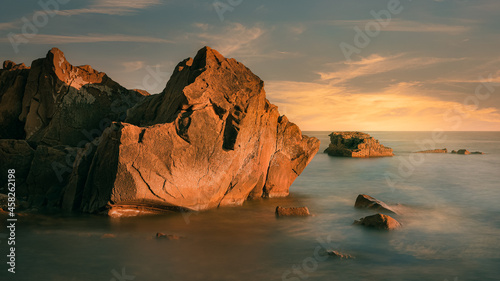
131,66
9,25
397,25
376,64
234,38
104,7
91,38
112,7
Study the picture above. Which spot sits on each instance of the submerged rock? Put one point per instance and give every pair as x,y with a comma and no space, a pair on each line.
368,202
160,235
292,211
339,254
444,150
379,221
356,145
477,152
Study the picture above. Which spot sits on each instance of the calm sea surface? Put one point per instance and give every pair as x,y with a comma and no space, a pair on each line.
449,206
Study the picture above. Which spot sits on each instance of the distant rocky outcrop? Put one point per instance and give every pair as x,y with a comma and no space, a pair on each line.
379,221
210,139
444,150
356,145
466,152
368,202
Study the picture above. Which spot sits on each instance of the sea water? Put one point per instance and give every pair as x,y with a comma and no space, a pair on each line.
448,206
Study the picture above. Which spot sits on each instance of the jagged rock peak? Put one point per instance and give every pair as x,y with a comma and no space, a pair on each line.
10,65
207,56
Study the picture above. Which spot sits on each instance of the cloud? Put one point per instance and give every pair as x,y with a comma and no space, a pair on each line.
90,38
132,66
318,106
112,7
376,64
397,25
105,7
234,38
9,25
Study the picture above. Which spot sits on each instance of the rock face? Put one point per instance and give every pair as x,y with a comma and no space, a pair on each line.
210,139
356,145
15,154
48,112
64,104
292,212
444,150
379,221
368,202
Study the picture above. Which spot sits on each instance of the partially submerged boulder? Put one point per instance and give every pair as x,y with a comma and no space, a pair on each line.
160,235
292,211
339,255
368,202
356,145
379,221
463,152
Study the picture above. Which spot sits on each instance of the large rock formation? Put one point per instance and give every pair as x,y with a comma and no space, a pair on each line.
356,145
48,112
64,104
210,139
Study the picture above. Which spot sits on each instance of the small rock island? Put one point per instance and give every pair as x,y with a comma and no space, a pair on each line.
356,145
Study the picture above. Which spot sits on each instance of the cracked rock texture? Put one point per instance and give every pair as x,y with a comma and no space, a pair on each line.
210,139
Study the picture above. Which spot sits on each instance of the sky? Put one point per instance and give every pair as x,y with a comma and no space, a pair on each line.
329,65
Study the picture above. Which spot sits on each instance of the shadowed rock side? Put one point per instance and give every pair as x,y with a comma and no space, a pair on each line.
12,83
356,145
210,139
48,112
